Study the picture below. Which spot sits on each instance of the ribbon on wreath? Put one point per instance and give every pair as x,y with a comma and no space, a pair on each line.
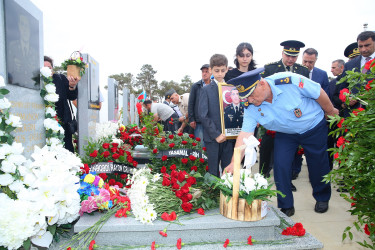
250,152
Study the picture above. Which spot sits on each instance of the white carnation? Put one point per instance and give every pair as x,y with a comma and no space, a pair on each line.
8,167
50,111
5,180
14,121
52,97
4,103
16,186
50,88
46,72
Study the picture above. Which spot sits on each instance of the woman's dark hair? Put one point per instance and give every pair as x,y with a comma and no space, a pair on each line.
48,59
239,50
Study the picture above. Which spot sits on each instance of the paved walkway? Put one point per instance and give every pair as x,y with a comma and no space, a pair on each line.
327,227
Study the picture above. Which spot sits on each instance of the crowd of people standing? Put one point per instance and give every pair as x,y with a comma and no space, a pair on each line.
289,100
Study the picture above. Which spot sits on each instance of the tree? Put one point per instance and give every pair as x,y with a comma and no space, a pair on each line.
186,83
164,86
125,80
146,80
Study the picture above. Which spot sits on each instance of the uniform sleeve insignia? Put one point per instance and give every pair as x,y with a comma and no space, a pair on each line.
282,81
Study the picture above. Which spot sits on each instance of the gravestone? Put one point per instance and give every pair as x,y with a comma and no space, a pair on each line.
21,57
88,103
125,105
132,109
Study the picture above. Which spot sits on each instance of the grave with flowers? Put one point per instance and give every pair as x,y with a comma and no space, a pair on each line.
174,203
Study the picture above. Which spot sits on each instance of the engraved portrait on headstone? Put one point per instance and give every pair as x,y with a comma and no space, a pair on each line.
93,84
22,46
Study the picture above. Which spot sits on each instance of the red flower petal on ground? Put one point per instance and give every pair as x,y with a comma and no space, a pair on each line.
155,150
200,211
184,142
92,244
105,145
164,158
187,206
249,241
226,243
179,243
94,154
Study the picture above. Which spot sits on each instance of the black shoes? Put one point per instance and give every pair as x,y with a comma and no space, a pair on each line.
288,211
294,189
321,206
294,175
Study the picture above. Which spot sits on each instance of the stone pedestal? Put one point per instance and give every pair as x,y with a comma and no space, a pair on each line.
212,228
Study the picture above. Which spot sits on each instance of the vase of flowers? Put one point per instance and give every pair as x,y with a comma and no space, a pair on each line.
75,66
243,195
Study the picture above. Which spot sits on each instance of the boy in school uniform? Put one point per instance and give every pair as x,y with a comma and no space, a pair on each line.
219,150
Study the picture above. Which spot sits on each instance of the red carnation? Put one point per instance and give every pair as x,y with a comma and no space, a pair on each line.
180,134
85,169
191,136
179,243
368,87
94,154
356,111
163,169
368,64
115,156
156,131
169,217
135,164
194,168
201,160
171,136
207,168
198,139
111,182
162,233
155,150
119,184
174,174
192,157
105,145
105,154
184,142
184,161
340,123
153,246
175,186
191,180
226,243
173,167
104,176
342,96
113,150
123,176
162,140
92,245
114,144
186,197
335,156
164,158
340,141
187,206
200,211
171,145
367,228
194,144
166,182
204,148
300,151
249,241
143,129
181,176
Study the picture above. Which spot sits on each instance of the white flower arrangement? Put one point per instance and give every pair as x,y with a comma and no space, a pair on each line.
248,183
46,72
14,121
141,208
4,103
106,129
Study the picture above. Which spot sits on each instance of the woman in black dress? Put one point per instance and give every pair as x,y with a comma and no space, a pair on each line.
244,61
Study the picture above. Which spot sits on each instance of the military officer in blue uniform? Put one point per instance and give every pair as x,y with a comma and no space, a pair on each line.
291,49
295,107
233,113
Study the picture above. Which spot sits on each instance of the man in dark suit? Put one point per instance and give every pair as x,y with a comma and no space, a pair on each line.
290,54
309,58
337,68
219,150
193,107
366,47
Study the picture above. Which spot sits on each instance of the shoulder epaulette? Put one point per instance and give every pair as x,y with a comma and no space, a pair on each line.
301,65
272,63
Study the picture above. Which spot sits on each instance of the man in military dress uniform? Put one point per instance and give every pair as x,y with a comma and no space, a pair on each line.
233,113
287,63
294,106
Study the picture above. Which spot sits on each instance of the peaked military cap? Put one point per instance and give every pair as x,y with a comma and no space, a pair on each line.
246,82
352,50
292,47
169,93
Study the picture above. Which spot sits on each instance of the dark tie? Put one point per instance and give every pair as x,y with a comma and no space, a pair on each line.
364,71
236,109
287,68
